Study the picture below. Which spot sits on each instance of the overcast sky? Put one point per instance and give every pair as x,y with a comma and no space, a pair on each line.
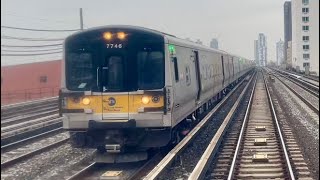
236,23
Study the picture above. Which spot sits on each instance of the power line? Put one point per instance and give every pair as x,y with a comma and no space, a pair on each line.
31,54
30,39
50,30
36,18
45,45
39,50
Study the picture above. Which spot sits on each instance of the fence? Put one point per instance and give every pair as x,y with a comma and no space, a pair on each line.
28,94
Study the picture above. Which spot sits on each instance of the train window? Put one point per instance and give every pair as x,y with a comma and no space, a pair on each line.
150,70
114,74
176,72
79,71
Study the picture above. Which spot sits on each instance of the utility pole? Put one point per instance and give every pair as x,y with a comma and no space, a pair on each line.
81,20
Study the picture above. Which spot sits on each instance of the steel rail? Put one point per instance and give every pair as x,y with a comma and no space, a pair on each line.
43,124
300,85
315,109
38,114
13,161
5,107
187,140
304,81
204,162
17,143
284,148
246,117
30,123
82,172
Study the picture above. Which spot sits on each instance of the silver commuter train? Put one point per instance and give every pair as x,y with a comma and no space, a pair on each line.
127,89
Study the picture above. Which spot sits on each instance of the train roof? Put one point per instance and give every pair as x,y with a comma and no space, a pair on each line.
155,32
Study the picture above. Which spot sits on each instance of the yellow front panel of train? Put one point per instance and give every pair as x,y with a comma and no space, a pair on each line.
95,103
116,103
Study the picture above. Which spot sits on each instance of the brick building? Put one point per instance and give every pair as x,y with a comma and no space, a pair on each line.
25,82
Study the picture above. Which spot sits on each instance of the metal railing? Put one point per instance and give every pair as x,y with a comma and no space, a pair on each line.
28,94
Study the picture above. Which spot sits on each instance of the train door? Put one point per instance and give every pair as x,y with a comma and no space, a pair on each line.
232,67
223,75
115,96
198,74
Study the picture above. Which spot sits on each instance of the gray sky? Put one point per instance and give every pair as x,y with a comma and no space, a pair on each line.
236,23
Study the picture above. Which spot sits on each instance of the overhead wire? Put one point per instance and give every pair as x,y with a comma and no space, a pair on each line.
35,54
31,39
38,50
36,18
48,30
25,46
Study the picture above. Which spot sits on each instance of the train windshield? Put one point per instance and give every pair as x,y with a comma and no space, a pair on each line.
99,68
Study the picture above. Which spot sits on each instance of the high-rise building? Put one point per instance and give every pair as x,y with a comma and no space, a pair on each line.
256,55
280,52
287,26
289,56
305,35
261,50
214,44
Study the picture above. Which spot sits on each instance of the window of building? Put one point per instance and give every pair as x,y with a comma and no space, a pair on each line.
305,2
305,19
306,64
306,56
305,47
305,38
305,10
43,79
305,28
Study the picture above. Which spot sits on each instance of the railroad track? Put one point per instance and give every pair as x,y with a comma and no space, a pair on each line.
313,91
127,171
17,155
17,144
29,125
25,118
311,83
27,108
309,97
18,132
181,160
257,147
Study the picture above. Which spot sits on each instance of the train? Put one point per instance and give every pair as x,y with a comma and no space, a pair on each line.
128,89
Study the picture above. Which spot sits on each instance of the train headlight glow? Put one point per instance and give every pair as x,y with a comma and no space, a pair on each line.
107,35
121,35
145,99
85,101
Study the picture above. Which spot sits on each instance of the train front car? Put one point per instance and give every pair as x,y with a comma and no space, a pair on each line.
113,96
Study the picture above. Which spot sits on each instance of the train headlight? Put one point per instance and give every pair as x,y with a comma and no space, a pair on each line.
85,101
121,35
145,99
155,99
107,35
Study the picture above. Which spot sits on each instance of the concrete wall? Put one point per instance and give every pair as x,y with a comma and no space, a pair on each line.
30,81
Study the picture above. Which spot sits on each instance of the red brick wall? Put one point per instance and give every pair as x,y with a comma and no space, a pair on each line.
22,82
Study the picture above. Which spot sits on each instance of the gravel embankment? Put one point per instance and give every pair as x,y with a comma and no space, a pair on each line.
303,122
48,164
